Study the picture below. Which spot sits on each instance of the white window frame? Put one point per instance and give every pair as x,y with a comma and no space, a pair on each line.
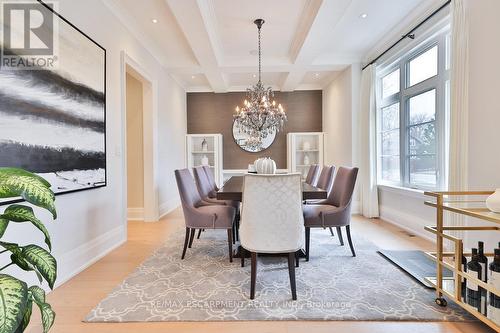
437,82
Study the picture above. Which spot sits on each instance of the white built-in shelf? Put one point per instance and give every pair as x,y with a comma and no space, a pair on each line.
203,152
307,151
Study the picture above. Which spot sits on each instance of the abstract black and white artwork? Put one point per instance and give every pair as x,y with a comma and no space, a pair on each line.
52,121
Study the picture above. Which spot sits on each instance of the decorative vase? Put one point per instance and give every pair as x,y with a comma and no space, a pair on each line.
306,145
204,145
265,166
306,160
493,202
204,160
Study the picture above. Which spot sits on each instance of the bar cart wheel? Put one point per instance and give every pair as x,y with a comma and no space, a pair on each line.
441,301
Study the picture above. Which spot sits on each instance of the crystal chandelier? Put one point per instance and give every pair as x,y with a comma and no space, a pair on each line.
259,116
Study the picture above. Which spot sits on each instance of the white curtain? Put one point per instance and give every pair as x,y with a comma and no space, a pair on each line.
367,146
459,105
459,111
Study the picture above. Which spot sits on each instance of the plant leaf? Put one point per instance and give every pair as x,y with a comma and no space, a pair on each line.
17,258
48,316
43,261
14,299
21,213
32,188
3,225
12,247
38,294
26,317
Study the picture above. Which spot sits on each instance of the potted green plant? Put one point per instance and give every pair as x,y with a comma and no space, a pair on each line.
16,298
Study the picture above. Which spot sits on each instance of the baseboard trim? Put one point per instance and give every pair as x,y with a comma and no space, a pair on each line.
80,258
135,214
169,206
406,222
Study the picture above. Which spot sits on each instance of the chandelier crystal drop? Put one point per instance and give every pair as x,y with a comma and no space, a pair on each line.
260,115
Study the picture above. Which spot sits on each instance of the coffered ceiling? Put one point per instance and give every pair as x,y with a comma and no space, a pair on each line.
211,45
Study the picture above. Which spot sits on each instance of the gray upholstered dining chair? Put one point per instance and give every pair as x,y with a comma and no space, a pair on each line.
272,220
325,182
211,180
200,215
335,211
205,189
312,174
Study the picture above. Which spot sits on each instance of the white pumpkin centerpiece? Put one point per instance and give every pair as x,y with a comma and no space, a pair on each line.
493,201
265,165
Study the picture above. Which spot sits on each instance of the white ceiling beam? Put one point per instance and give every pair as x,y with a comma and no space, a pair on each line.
197,21
311,37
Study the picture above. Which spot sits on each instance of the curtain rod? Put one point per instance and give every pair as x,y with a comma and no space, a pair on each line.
409,34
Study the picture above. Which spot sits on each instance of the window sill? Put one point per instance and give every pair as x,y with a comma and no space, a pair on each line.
408,192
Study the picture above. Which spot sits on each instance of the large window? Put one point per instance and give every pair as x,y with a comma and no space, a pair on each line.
412,101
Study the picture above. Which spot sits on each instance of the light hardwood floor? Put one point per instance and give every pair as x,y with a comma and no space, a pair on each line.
74,299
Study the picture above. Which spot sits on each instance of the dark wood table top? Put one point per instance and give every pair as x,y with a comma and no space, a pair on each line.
233,188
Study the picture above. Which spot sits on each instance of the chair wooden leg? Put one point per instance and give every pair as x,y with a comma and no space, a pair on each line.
331,231
191,237
237,231
308,241
242,253
199,234
348,231
253,275
233,231
291,272
186,240
230,243
297,259
339,232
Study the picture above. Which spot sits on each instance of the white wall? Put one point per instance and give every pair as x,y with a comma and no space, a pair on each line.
340,120
91,223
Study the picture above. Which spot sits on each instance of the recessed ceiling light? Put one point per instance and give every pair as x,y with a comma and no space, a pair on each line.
193,76
255,75
363,16
154,20
317,74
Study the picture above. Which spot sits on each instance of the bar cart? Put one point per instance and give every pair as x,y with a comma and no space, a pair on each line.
459,203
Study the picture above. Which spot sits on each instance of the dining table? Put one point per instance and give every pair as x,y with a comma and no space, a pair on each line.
233,190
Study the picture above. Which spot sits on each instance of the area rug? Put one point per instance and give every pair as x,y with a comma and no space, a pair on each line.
333,285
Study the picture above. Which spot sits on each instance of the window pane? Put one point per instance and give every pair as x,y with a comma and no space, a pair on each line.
390,84
423,107
390,117
423,170
424,66
390,142
390,168
423,139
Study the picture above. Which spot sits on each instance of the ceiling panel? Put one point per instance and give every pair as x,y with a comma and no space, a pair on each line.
238,34
166,33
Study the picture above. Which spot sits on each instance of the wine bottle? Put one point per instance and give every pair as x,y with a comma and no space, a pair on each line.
464,280
494,304
473,292
483,261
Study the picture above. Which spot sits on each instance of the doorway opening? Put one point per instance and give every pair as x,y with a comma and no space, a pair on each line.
139,112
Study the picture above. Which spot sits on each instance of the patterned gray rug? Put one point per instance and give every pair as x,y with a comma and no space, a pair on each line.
331,286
